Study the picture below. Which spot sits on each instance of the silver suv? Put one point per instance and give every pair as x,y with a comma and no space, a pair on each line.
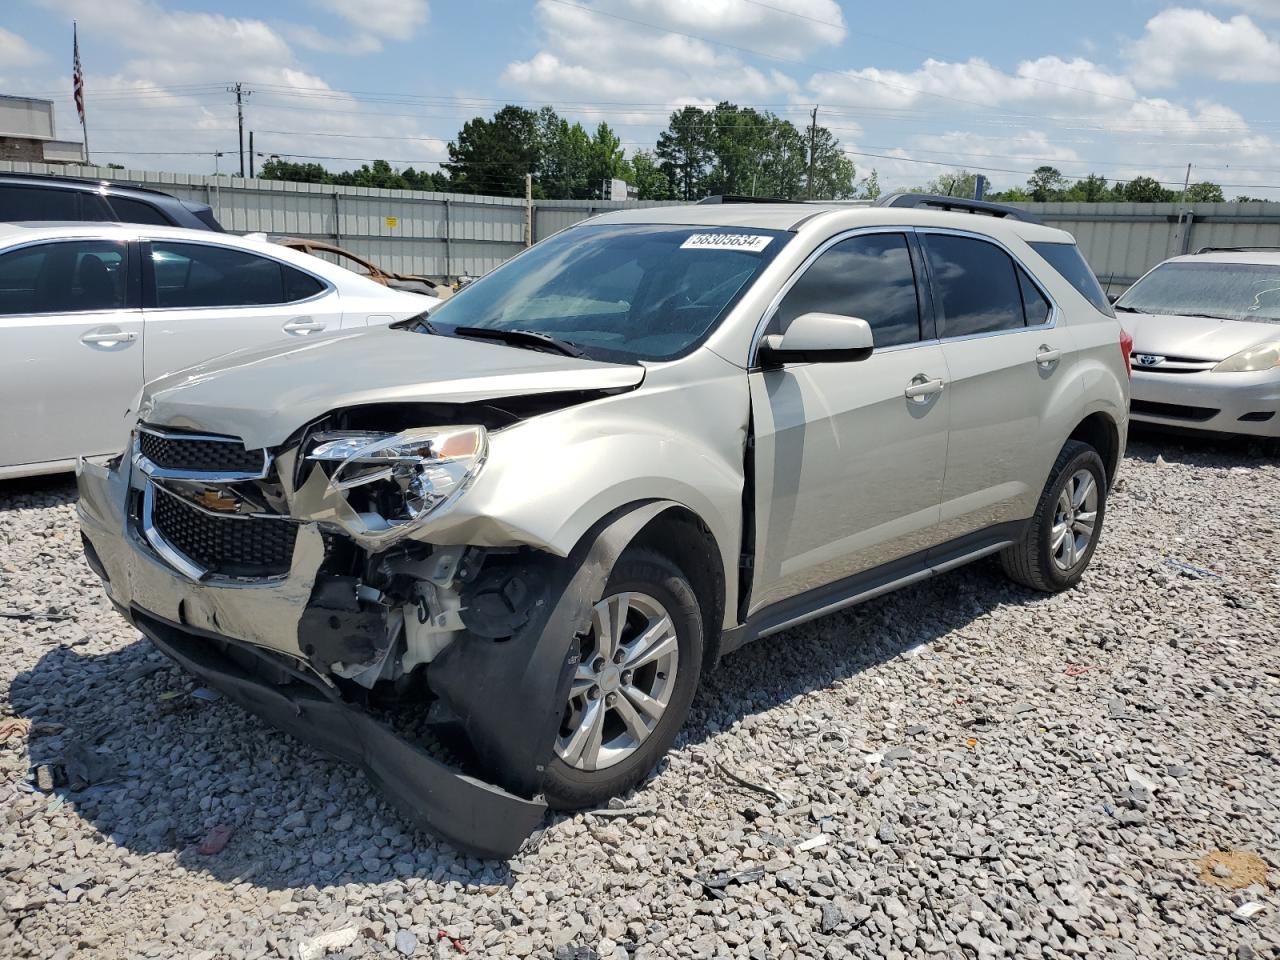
488,554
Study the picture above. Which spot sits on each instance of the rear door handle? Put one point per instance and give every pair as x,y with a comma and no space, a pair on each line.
1046,356
922,388
110,336
303,325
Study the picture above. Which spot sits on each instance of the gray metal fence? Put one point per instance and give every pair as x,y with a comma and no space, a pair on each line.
407,231
448,234
1122,241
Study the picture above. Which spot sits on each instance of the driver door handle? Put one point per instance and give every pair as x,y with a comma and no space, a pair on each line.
1047,355
303,325
921,388
113,336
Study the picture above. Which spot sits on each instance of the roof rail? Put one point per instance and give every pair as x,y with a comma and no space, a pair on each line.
59,178
739,198
1238,250
956,203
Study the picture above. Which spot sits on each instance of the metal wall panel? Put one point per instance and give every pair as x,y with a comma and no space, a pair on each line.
447,234
1122,241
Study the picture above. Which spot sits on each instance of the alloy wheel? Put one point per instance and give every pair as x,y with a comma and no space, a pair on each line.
623,682
1075,520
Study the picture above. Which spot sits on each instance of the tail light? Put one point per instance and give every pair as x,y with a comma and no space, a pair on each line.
1126,348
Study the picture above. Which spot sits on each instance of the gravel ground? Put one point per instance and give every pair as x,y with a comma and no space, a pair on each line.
963,769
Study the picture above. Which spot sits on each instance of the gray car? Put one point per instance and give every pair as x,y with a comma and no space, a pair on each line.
1206,342
521,531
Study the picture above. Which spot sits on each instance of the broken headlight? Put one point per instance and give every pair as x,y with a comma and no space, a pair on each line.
394,479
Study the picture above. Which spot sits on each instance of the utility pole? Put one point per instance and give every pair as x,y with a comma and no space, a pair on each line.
528,209
813,137
250,154
240,93
1186,185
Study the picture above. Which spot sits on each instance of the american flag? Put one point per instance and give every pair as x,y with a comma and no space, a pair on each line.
77,75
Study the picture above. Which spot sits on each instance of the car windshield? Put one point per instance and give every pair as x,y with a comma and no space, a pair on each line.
1232,291
617,291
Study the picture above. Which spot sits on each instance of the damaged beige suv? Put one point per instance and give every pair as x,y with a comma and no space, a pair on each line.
488,554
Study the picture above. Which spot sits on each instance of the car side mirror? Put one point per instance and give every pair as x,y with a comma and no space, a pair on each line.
818,338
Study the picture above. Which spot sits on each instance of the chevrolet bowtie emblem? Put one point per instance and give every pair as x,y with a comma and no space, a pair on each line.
217,501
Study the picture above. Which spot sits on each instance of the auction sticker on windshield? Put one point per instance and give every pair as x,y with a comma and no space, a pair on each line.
726,241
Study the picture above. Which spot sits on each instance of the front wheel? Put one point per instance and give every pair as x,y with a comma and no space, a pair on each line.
637,674
1062,534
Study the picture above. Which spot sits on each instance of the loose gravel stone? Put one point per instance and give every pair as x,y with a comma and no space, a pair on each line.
965,769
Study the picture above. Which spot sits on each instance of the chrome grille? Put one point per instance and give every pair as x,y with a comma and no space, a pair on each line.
253,547
199,453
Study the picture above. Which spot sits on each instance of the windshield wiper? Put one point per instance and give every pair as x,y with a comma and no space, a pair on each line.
1117,306
419,324
522,338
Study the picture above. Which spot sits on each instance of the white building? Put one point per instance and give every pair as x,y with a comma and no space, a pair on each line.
27,133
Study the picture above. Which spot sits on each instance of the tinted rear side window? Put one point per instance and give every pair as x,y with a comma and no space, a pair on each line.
200,275
1034,305
1067,260
869,277
976,286
135,211
19,204
70,276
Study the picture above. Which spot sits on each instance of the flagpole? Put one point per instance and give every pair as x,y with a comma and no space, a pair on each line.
77,83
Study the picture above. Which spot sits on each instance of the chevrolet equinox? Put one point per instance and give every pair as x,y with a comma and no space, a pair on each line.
531,520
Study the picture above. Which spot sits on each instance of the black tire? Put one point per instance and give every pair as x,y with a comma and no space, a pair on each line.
645,571
1030,561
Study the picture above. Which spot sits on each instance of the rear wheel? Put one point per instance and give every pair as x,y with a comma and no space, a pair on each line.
1061,536
630,694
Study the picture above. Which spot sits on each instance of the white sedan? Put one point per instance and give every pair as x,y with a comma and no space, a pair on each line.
90,312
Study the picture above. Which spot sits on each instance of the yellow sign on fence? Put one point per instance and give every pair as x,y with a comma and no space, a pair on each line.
393,222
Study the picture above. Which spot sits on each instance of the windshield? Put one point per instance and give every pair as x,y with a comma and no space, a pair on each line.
618,291
1232,291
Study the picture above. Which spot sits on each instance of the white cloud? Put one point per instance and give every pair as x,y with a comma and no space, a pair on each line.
1047,81
169,93
396,19
15,52
586,57
1181,43
785,28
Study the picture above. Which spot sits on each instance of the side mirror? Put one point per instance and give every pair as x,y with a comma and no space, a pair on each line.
818,338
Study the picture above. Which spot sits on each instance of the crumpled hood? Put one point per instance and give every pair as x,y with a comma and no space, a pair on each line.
263,395
1199,338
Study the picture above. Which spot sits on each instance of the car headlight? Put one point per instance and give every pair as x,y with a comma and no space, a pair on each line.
1261,356
393,479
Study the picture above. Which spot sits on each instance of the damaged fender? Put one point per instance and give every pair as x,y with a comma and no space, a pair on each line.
510,693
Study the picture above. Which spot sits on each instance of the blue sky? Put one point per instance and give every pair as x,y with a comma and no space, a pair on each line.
912,88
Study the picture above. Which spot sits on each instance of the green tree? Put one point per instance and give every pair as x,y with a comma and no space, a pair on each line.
1147,190
1204,192
870,186
834,174
1045,183
648,179
684,151
605,160
565,157
277,169
380,174
959,184
493,156
1092,189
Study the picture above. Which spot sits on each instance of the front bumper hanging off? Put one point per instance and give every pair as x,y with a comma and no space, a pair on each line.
474,816
506,696
192,623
